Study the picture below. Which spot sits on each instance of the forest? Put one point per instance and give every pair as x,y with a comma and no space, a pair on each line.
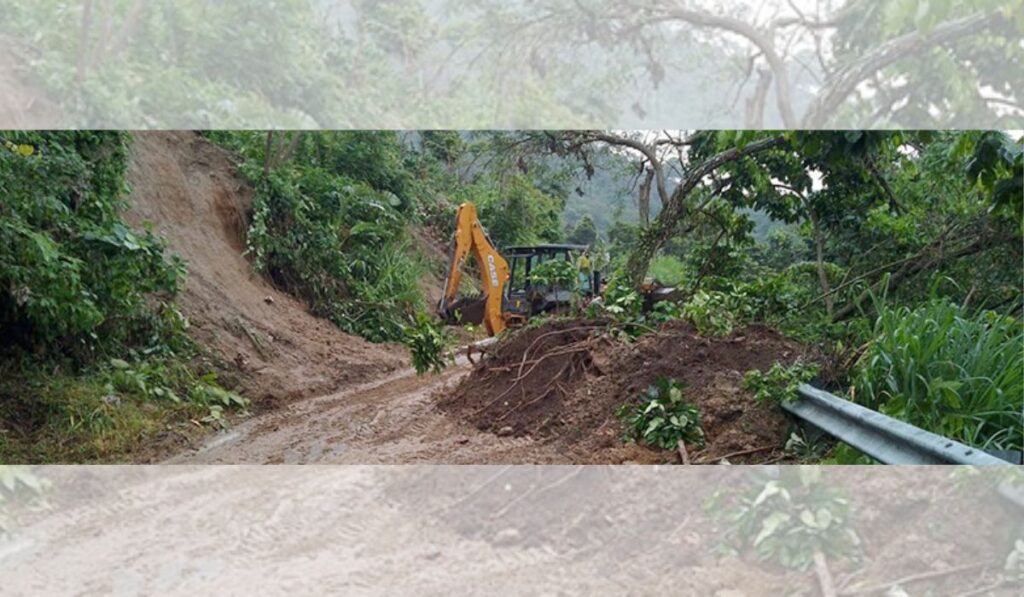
645,64
893,259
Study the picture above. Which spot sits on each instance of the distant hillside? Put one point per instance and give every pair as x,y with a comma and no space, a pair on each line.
611,189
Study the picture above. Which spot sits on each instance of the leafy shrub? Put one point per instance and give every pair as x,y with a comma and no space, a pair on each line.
772,297
951,372
428,342
712,312
75,281
779,383
804,448
662,417
790,519
217,400
620,301
664,311
94,352
338,244
329,225
555,272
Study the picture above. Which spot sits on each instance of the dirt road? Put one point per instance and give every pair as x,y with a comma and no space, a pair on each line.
388,421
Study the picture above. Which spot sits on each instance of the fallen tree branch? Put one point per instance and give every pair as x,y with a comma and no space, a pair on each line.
738,453
912,578
909,269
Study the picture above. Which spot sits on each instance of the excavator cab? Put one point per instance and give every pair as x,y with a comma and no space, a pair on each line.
524,298
510,296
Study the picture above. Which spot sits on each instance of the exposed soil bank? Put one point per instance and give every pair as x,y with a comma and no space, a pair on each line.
273,350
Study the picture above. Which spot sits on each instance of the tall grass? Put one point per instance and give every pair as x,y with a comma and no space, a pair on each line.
954,373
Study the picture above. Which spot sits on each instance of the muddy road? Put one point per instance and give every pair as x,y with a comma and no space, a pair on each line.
545,395
391,420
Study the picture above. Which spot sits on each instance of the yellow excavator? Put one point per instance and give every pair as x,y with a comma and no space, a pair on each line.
510,296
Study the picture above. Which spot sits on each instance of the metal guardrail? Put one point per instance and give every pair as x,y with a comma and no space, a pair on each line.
881,437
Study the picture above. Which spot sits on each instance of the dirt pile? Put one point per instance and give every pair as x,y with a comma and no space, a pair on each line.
521,390
189,189
563,381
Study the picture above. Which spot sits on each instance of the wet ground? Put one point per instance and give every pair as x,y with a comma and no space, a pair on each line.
388,421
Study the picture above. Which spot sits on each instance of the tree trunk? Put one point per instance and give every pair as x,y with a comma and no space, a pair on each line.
754,106
643,252
819,249
286,154
268,154
675,209
644,201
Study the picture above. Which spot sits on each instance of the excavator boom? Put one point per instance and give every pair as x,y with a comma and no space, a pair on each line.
470,237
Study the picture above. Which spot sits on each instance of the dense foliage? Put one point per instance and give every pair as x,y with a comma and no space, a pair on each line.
74,279
489,62
956,372
338,244
94,358
802,230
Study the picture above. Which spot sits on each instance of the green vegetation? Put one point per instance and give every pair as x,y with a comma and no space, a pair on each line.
941,367
333,210
75,278
789,520
802,229
798,230
779,384
661,417
328,224
428,341
95,361
311,64
669,270
712,312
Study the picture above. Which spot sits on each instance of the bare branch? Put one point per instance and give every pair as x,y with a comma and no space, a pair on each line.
647,151
845,80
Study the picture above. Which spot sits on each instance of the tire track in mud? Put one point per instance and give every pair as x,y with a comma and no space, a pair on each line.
392,420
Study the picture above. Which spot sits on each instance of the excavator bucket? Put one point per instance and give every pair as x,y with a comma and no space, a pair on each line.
465,310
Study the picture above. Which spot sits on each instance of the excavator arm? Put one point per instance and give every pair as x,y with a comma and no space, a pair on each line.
470,237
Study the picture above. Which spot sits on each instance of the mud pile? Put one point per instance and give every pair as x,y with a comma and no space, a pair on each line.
564,380
272,348
521,390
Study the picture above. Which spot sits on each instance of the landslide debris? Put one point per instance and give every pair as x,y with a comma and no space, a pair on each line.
272,349
562,382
